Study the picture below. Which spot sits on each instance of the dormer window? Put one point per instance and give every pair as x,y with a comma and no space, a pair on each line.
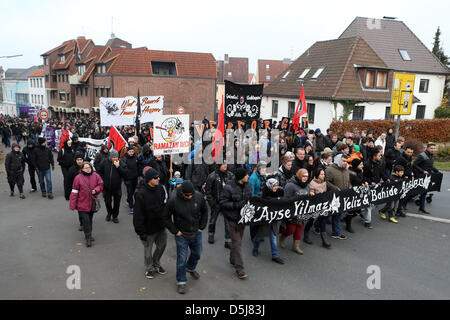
317,74
375,79
101,68
81,69
164,68
63,58
286,74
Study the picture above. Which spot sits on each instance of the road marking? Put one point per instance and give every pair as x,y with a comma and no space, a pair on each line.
419,216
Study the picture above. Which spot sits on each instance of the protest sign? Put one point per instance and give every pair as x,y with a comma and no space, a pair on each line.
171,134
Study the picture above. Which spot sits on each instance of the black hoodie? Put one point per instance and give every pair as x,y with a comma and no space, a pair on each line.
65,156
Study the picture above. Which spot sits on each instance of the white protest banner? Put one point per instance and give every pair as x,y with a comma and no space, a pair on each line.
151,107
171,134
94,146
122,111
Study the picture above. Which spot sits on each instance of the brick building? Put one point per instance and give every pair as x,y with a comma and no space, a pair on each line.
268,70
87,72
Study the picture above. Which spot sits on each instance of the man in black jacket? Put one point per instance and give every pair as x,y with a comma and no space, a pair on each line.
424,164
101,155
27,154
148,222
130,161
112,172
299,161
65,160
234,196
391,156
190,216
214,186
15,167
42,158
197,171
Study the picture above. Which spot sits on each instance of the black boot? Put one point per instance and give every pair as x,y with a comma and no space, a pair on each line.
325,242
306,231
88,242
348,224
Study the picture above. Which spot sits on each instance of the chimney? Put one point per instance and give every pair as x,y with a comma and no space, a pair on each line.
81,38
226,58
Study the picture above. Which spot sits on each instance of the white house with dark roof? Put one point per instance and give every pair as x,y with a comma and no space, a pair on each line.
357,69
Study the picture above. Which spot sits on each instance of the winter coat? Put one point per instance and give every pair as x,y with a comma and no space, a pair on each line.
188,215
148,209
283,176
42,158
337,178
406,162
356,177
319,142
164,173
28,153
390,141
14,163
215,183
317,186
74,170
144,158
81,197
233,198
132,166
382,143
84,152
256,180
298,164
294,189
198,174
373,172
263,230
424,162
391,158
65,156
112,176
99,158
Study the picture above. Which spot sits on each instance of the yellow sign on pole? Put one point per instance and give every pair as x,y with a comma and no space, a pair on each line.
402,93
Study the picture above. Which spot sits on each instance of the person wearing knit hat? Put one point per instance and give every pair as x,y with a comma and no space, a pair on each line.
186,216
15,166
41,141
150,201
327,150
240,173
355,163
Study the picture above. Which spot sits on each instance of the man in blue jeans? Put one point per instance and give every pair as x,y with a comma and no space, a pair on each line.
186,215
42,159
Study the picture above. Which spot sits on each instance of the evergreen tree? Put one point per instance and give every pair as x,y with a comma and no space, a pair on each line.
437,48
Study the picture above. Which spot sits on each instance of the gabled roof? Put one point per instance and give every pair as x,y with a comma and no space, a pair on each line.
138,62
37,73
95,55
237,66
20,74
339,79
387,36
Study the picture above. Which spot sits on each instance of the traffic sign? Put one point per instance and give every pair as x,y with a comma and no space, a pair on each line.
402,94
180,110
43,115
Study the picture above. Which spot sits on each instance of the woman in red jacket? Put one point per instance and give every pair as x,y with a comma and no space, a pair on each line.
87,185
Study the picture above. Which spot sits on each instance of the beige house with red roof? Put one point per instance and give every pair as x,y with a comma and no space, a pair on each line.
87,72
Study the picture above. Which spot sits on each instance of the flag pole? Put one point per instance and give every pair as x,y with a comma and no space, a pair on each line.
171,170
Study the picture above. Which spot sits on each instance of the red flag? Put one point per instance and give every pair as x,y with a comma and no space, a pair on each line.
116,139
64,137
219,135
301,110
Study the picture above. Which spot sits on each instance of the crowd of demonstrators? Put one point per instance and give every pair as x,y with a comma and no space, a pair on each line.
185,198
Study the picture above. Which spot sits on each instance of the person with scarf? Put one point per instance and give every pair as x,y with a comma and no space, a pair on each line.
87,185
297,186
319,185
284,172
65,160
270,190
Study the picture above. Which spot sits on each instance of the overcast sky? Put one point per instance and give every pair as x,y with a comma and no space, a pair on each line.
260,29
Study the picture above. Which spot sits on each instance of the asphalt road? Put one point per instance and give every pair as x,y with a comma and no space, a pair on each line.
40,239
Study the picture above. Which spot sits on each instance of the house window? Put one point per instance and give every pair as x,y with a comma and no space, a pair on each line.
420,114
311,112
381,79
59,78
101,92
230,73
404,54
67,77
54,78
164,68
96,92
107,92
32,98
45,61
63,58
304,73
86,92
318,72
424,85
46,78
291,109
76,91
42,99
370,78
286,74
358,113
387,114
62,97
101,69
81,69
274,108
267,78
267,66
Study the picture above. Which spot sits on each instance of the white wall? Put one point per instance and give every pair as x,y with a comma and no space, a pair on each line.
36,90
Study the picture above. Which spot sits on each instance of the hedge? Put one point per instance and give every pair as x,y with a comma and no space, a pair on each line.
435,130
